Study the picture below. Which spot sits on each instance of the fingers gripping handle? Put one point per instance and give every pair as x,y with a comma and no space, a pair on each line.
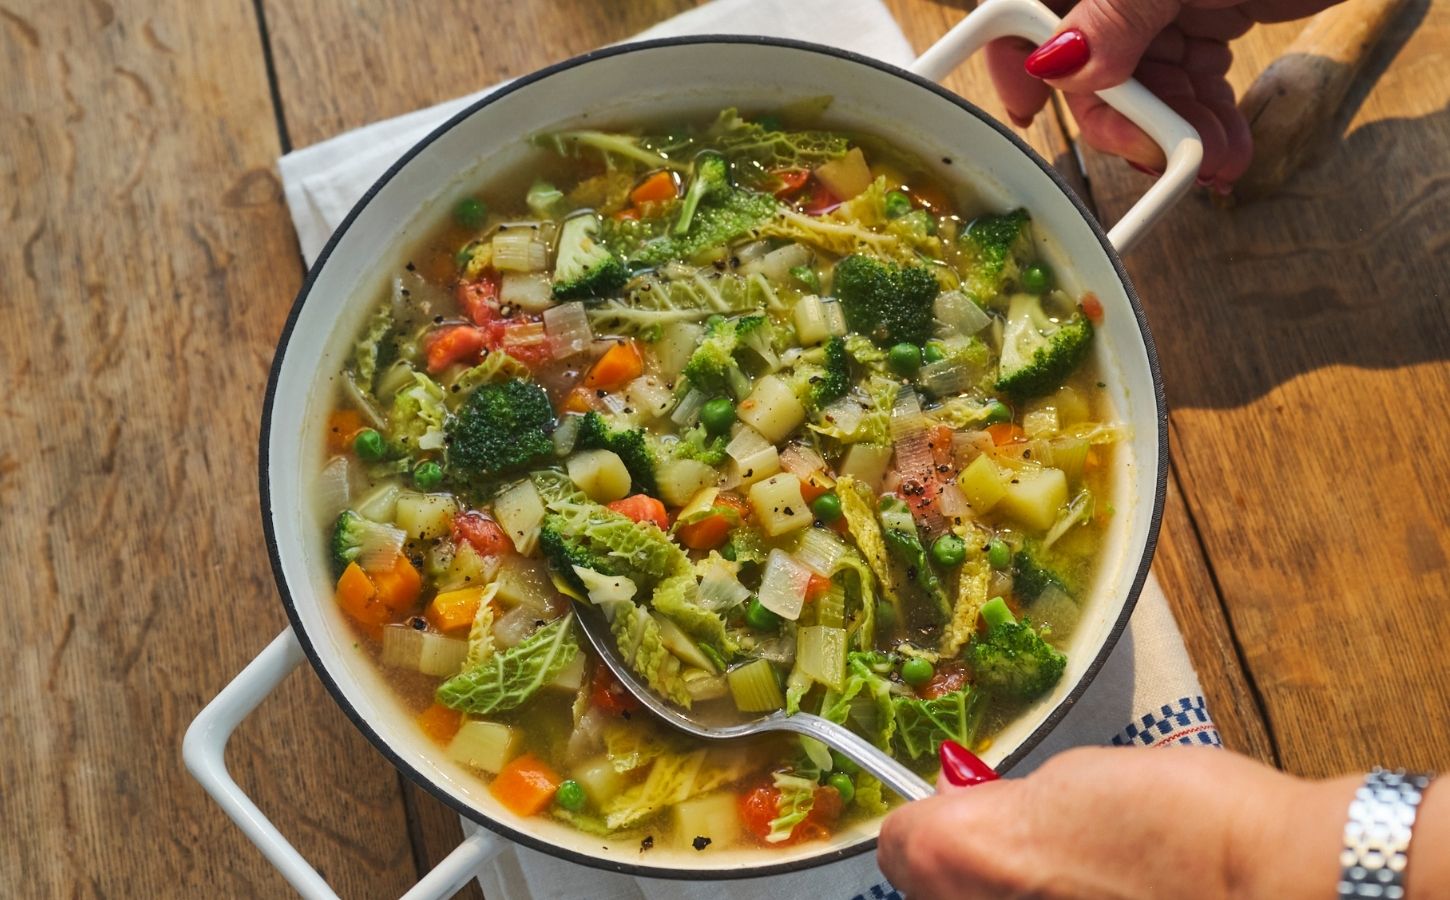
1031,20
204,750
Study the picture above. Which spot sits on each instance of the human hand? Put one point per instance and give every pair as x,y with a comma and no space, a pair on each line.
1121,822
1178,49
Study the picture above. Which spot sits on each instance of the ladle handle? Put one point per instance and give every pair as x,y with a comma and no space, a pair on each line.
862,752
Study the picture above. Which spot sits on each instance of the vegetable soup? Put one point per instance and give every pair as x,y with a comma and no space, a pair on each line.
811,431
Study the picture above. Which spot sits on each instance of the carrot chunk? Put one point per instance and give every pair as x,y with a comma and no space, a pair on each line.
643,508
454,610
659,186
619,365
440,723
526,785
342,427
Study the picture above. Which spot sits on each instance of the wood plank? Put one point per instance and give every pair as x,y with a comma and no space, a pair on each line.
1305,343
148,264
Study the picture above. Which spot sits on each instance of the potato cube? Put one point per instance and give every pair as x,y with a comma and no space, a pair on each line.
772,409
600,474
1033,497
778,504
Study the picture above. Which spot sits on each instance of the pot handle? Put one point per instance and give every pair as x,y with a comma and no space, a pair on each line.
204,750
1031,20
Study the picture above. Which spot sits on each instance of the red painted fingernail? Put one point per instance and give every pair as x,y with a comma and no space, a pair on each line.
1201,181
1144,169
1019,121
1064,54
962,767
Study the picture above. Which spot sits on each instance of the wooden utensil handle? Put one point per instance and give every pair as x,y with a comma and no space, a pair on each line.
1290,105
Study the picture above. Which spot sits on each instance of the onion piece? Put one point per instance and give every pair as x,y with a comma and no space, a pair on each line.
906,416
844,415
529,291
776,264
688,411
755,457
959,313
566,433
802,462
783,585
422,651
835,317
820,551
945,378
568,328
334,489
953,503
379,547
720,589
650,398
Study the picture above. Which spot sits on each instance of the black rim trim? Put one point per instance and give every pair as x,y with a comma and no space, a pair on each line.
820,859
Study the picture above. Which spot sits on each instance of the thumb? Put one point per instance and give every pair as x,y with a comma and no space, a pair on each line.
1100,43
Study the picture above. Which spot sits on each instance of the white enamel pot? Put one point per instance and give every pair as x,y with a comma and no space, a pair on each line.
682,78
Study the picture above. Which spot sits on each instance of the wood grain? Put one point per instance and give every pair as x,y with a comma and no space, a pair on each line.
1304,341
148,263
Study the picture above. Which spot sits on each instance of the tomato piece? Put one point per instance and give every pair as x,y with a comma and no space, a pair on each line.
761,804
1006,433
609,695
791,181
816,587
479,298
948,678
456,343
643,508
1092,307
758,807
486,535
820,200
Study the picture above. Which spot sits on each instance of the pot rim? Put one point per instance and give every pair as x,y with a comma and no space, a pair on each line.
567,854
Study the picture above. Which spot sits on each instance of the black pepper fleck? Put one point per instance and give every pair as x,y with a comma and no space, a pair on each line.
700,842
648,842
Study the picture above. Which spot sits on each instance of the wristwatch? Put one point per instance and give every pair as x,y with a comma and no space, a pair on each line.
1377,835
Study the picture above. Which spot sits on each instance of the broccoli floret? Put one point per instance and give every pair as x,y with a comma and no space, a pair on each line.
1037,353
711,182
564,552
585,267
1030,576
1013,660
697,444
349,535
993,250
890,304
630,444
500,428
836,381
713,368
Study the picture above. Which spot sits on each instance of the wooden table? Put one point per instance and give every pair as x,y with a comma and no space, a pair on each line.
148,263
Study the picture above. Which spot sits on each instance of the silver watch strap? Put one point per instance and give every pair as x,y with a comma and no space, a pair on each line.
1377,835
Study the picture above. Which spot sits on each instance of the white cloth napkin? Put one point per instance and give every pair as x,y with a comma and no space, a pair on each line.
1147,693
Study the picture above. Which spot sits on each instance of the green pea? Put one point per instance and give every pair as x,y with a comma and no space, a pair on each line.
999,555
728,551
949,550
1036,279
897,205
827,507
904,359
933,352
760,618
843,785
998,411
368,445
428,475
570,795
917,671
470,213
718,415
842,763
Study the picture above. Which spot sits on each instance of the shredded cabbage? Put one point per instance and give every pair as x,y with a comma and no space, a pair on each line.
972,584
417,415
797,798
480,633
866,700
496,366
642,646
922,725
365,353
506,679
865,531
675,778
